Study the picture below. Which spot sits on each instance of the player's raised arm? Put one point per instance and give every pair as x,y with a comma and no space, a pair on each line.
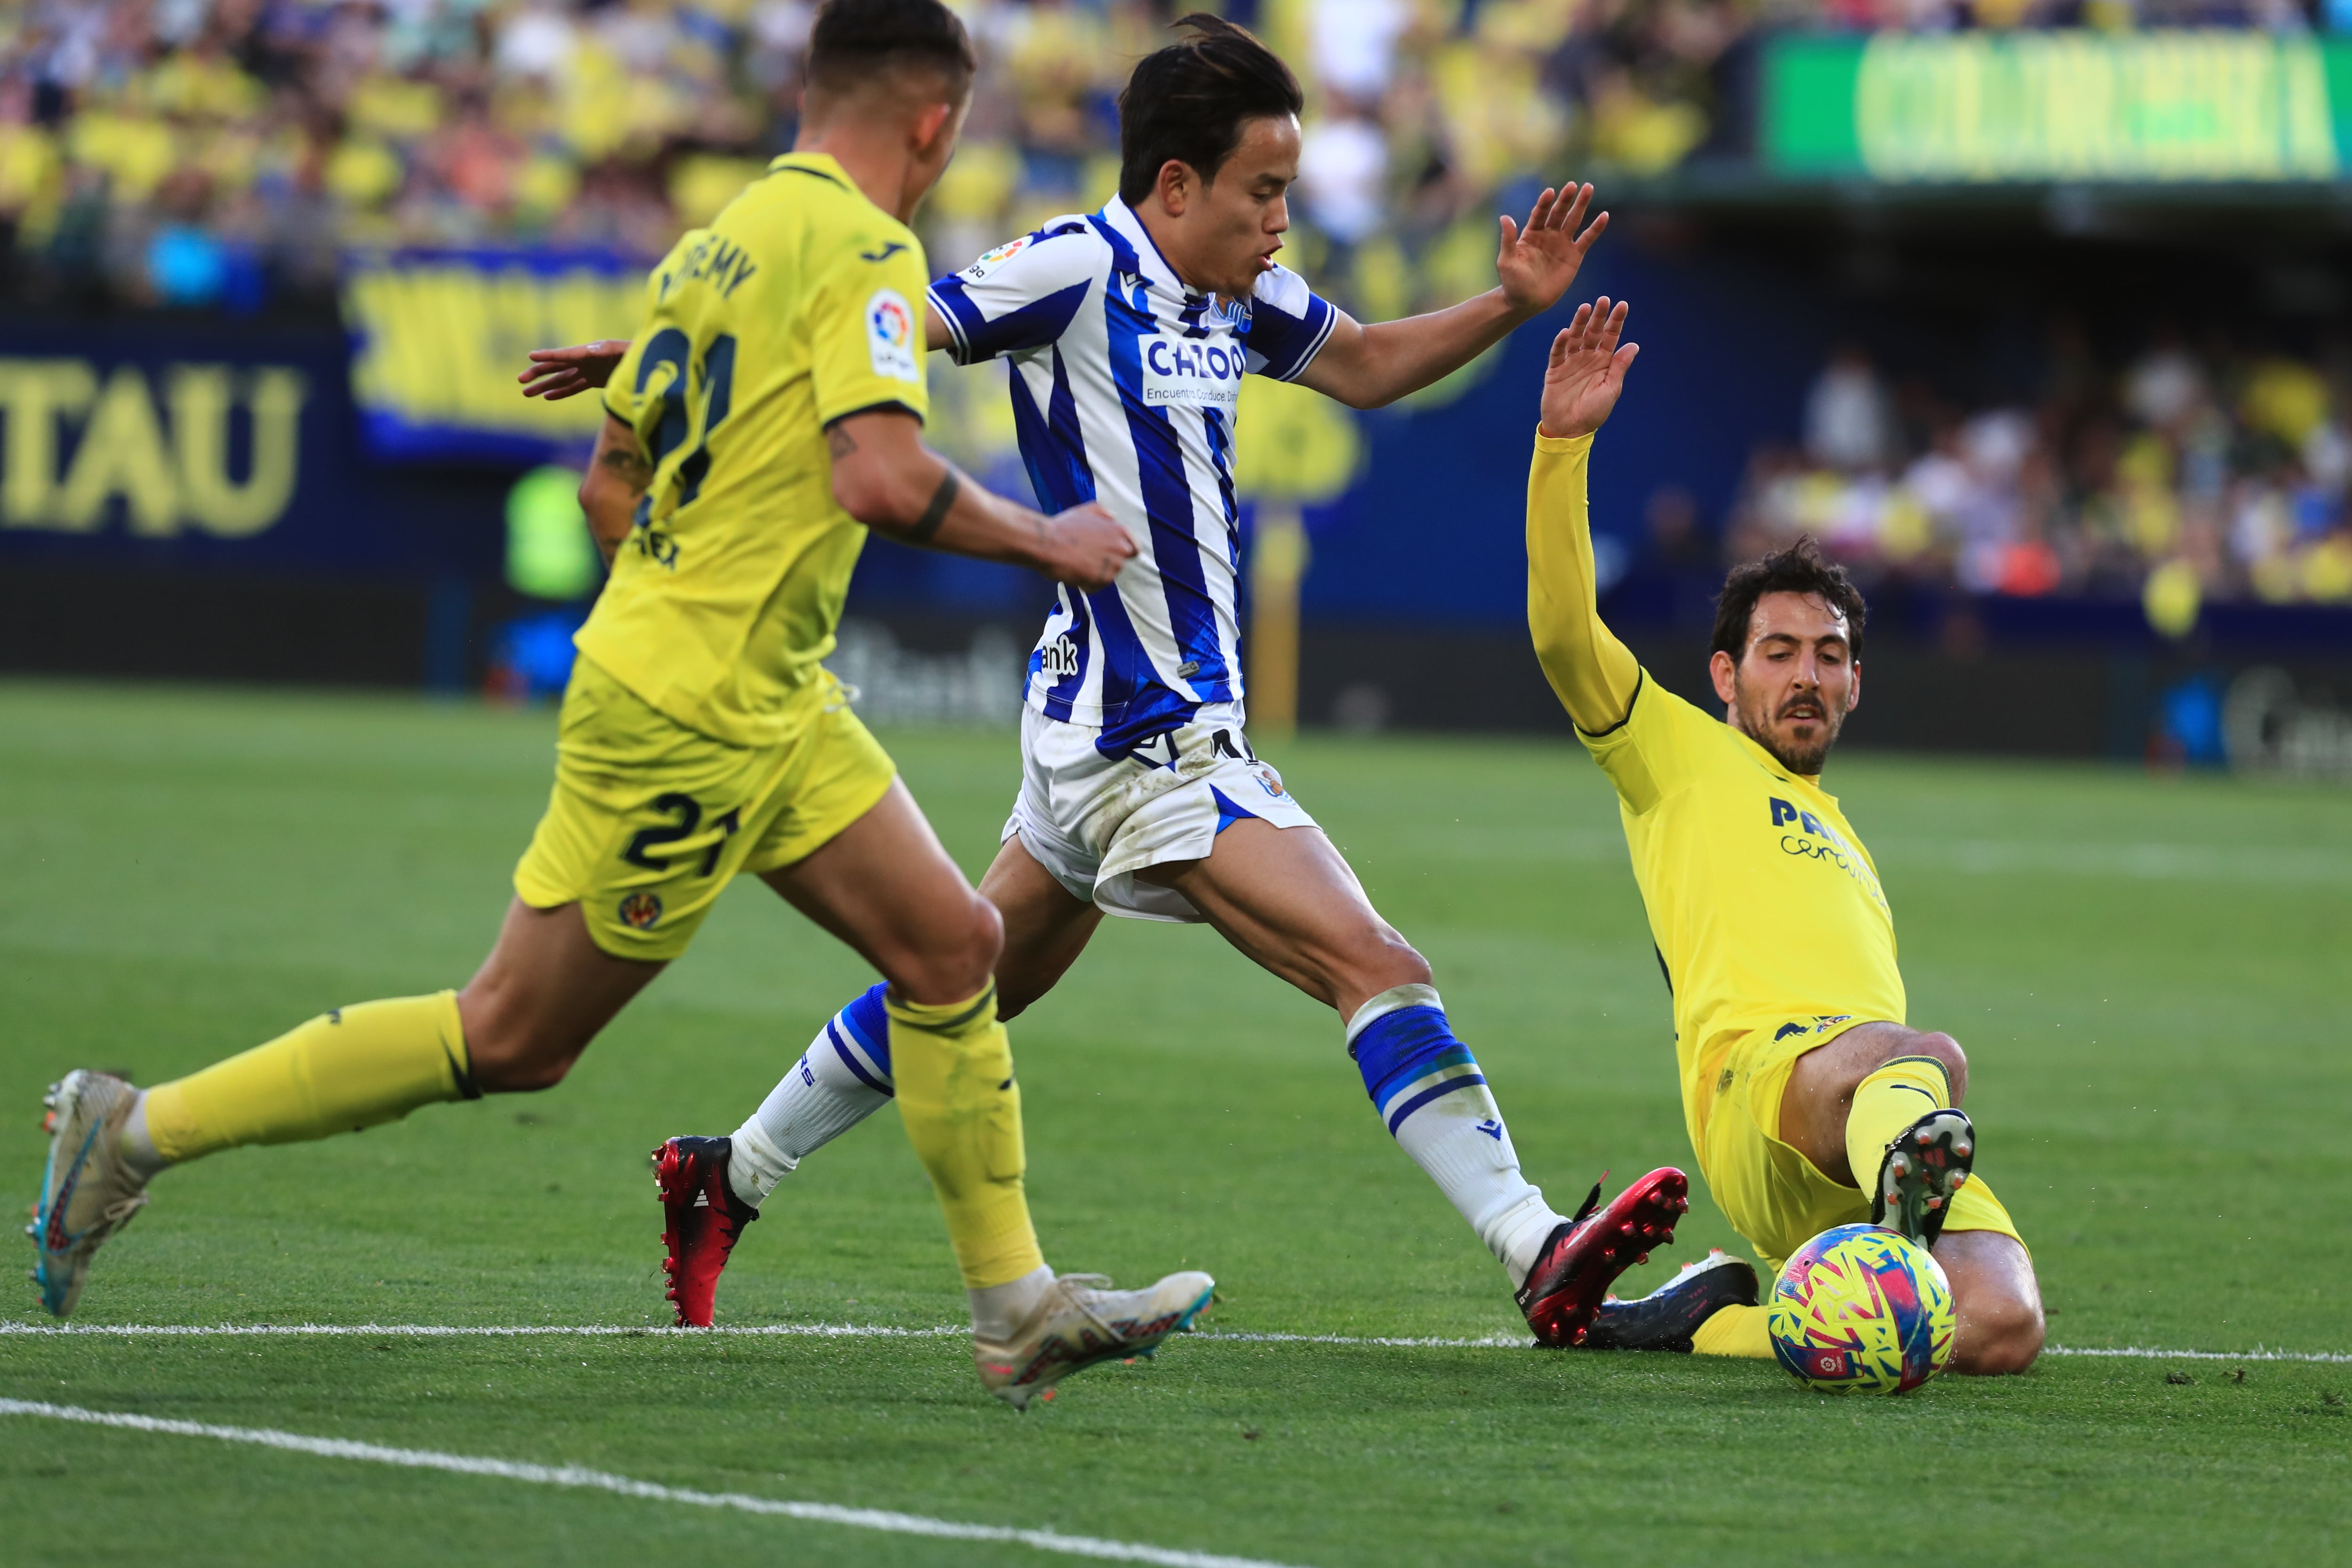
1594,674
887,479
1371,366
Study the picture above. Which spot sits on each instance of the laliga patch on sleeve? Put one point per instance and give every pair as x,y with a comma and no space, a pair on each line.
990,260
891,336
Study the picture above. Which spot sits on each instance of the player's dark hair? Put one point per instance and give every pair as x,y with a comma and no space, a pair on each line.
855,40
1188,101
1801,568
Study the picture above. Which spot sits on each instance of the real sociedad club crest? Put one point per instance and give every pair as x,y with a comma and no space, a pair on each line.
640,910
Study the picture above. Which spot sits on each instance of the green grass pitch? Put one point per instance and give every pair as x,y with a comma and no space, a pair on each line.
2150,975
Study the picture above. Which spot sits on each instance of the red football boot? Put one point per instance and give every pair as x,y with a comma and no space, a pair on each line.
702,1218
1582,1259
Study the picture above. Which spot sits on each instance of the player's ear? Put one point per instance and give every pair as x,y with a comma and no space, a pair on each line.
932,122
1175,185
1725,671
1853,688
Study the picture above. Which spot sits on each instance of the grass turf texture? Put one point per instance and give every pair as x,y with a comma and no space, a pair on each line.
2146,974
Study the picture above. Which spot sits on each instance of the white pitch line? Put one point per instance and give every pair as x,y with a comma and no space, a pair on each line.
625,1486
2143,1353
944,1331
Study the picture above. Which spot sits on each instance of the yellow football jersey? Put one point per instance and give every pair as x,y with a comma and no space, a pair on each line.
1765,907
800,304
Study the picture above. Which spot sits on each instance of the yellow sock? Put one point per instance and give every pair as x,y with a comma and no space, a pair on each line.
963,1111
1734,1330
1884,1103
349,1068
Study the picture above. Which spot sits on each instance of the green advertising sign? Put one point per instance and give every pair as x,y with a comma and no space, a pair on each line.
2147,107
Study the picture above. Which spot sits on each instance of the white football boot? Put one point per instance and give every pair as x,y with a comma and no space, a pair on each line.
1081,1320
89,1191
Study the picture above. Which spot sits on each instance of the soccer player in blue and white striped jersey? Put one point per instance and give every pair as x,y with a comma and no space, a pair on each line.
1128,331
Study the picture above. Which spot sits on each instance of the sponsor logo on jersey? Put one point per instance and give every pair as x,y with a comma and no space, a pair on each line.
987,260
1058,658
891,336
1191,371
882,252
640,910
1815,839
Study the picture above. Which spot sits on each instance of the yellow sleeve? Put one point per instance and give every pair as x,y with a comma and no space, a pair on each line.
865,324
1594,674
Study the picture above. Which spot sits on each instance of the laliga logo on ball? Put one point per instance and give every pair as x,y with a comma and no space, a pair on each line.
1862,1308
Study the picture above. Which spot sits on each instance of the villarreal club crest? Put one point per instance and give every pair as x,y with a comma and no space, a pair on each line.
1862,1308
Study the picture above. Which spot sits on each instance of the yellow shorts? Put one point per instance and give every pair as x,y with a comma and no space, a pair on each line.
1771,1194
650,820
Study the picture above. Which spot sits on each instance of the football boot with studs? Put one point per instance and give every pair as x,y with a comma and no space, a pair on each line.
1667,1318
1926,1164
1584,1256
1081,1321
701,1217
89,1191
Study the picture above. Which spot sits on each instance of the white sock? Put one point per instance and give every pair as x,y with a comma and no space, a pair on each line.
138,1145
1435,1101
828,1091
998,1311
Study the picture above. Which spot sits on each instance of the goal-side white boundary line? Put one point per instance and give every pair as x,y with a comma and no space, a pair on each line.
945,1330
625,1486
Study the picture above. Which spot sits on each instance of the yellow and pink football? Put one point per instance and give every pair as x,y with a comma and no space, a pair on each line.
1862,1308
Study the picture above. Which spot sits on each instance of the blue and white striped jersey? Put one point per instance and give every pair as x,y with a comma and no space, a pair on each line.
1125,386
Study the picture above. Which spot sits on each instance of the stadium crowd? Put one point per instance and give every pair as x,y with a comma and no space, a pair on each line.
224,154
201,151
2236,465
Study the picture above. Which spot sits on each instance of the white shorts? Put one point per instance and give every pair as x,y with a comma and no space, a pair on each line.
1094,821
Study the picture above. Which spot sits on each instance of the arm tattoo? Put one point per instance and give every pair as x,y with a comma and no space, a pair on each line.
839,442
937,512
629,467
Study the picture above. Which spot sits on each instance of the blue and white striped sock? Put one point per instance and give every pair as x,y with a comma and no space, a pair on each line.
1436,1105
841,1080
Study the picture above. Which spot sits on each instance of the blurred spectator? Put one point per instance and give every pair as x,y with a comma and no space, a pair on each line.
1849,420
2116,473
1343,166
1356,45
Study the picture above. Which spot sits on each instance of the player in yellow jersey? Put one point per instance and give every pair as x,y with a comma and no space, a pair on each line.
1810,1101
769,412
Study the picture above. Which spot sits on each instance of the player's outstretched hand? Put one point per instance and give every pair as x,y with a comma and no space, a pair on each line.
1539,262
558,374
1587,370
1086,547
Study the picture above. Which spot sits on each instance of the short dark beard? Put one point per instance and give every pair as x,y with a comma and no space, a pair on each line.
1807,760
